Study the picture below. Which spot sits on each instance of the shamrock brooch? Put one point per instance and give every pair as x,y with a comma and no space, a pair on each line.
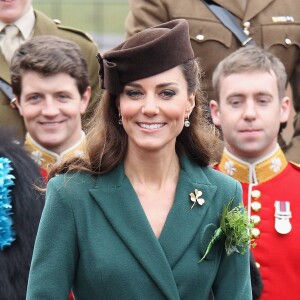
195,198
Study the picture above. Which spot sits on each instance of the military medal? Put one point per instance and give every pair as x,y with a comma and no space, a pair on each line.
283,19
282,217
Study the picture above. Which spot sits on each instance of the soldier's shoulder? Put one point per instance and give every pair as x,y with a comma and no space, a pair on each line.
73,30
46,25
295,165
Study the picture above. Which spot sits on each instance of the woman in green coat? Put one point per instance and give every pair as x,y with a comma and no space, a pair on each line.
133,219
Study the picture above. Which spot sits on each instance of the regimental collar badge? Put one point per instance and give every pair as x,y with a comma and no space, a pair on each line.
261,171
282,217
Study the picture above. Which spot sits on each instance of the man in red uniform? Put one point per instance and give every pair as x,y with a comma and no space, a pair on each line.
251,104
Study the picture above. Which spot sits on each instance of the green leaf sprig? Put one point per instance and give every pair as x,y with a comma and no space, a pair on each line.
236,227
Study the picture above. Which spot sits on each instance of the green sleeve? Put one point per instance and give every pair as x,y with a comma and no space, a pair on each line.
233,278
55,252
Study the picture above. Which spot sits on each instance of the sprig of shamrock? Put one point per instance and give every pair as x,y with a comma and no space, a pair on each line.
236,227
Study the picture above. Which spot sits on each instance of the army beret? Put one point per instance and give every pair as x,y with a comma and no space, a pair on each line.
147,53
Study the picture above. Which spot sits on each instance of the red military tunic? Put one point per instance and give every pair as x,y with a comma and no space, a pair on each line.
46,158
277,255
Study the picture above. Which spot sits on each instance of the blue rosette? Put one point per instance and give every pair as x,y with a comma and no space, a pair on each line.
7,234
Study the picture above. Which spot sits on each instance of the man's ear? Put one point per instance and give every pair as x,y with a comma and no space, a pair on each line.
85,99
17,105
285,109
215,112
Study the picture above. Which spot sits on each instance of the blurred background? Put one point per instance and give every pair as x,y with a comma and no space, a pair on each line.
102,19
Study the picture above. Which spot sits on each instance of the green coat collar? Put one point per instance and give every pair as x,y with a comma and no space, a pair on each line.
119,203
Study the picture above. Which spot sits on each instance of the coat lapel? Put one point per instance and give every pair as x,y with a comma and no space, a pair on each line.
255,7
43,25
118,201
183,222
5,75
231,6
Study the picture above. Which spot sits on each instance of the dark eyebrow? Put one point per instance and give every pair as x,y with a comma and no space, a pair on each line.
132,84
162,85
167,84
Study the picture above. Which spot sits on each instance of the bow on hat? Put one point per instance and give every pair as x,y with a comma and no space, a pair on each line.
147,53
109,75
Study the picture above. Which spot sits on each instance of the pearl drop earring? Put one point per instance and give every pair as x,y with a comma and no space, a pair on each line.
187,123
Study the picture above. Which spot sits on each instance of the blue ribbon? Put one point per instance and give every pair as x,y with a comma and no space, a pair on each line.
7,234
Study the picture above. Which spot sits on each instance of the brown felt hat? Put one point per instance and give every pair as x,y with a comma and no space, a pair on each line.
147,53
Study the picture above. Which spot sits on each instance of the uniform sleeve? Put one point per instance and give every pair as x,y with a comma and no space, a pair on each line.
144,14
233,278
55,252
93,69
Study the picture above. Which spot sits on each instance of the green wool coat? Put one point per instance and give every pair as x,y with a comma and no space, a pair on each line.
94,237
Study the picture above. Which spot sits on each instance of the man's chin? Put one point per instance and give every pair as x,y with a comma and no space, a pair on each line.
51,145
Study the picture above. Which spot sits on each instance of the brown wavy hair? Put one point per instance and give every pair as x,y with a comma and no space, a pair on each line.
107,140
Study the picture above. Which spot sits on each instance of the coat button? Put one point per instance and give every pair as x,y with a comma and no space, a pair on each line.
200,37
255,232
247,24
257,265
255,219
255,194
246,28
288,41
57,22
256,206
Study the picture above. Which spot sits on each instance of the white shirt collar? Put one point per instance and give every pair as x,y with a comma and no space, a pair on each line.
25,23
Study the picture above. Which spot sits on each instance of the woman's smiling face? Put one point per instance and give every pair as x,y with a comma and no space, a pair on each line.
153,110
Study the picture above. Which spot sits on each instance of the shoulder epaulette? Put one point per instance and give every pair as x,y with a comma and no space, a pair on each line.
77,31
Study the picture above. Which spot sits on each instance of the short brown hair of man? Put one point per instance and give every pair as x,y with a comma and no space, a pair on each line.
249,59
49,55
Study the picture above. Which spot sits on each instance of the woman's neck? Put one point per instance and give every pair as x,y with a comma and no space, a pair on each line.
152,170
